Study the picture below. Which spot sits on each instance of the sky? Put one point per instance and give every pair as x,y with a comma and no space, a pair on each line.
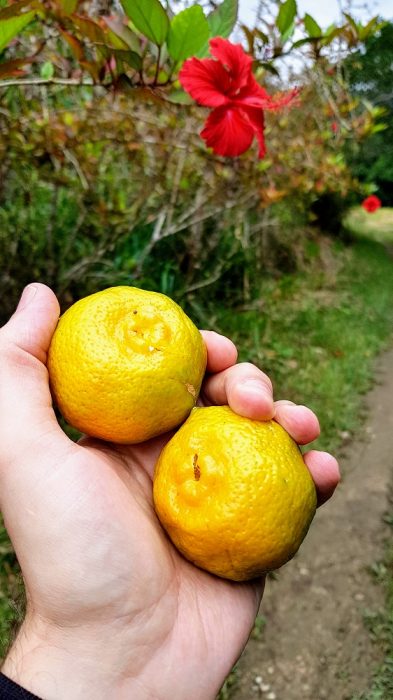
324,12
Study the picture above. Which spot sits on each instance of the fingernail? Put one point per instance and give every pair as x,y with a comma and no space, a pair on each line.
27,297
254,385
258,390
254,400
290,406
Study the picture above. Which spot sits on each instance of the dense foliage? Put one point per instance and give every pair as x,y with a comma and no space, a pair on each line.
103,176
370,75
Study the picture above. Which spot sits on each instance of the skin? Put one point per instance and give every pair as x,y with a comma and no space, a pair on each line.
113,611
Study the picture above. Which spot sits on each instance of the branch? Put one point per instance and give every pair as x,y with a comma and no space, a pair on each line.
71,157
157,66
205,283
47,81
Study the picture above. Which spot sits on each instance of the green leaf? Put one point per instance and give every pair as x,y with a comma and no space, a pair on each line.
286,15
269,67
223,19
189,31
262,36
308,40
311,26
149,18
114,41
9,28
289,32
356,26
379,127
47,70
179,97
371,28
331,34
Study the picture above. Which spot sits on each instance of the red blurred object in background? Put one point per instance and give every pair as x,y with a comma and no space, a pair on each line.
226,83
371,203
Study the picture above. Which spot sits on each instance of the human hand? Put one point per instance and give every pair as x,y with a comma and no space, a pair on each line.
113,610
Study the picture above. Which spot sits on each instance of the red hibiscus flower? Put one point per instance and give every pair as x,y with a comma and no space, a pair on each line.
226,84
371,203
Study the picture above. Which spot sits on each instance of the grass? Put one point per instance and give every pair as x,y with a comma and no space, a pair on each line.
11,593
377,226
317,334
380,626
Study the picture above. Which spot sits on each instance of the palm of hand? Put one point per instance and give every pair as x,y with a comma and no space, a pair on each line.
117,560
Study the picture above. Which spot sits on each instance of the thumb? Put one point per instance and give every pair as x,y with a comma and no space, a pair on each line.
26,413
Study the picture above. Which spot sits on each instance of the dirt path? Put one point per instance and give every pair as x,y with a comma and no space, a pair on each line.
314,645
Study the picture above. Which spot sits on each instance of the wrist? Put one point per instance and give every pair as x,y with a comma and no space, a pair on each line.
66,664
102,662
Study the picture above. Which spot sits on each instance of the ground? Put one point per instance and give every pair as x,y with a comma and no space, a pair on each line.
314,644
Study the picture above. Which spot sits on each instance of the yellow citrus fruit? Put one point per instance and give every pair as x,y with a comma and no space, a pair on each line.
233,494
126,364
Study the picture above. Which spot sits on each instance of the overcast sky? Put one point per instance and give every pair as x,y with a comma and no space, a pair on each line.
325,12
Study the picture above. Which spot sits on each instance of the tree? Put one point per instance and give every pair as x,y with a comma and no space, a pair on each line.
370,76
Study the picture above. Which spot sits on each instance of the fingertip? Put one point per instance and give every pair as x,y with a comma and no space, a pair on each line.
32,325
38,293
243,387
325,472
299,421
252,398
221,351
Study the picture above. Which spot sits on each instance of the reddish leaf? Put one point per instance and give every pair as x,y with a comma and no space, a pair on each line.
92,68
75,45
89,29
121,30
145,94
16,9
13,69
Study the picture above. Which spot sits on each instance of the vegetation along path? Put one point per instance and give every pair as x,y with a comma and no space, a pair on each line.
314,643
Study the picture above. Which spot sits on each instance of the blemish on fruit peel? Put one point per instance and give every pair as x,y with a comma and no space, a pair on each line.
197,469
191,390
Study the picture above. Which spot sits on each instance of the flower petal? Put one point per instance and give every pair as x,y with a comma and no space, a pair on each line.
253,94
228,132
205,80
371,203
234,58
257,121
